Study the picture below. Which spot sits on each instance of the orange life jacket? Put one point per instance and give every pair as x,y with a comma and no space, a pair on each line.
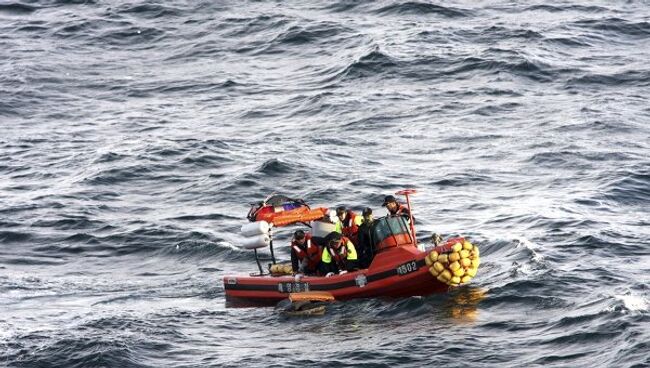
309,251
349,228
401,210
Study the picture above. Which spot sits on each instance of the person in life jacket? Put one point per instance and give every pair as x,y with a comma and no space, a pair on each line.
365,246
305,254
339,255
395,208
348,223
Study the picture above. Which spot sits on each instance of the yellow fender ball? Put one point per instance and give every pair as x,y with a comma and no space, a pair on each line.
446,275
471,272
456,247
464,253
454,266
465,262
476,263
434,272
433,255
438,266
454,257
455,280
459,272
465,279
428,261
476,252
441,279
467,245
443,258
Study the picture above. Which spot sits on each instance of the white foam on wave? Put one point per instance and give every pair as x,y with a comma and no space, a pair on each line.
523,242
522,268
633,303
6,332
229,245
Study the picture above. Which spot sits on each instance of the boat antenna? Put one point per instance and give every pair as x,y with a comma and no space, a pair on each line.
406,192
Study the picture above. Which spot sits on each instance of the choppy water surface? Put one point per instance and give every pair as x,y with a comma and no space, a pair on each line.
134,133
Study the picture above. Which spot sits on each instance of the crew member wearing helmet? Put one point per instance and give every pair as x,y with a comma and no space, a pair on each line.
305,254
339,255
348,223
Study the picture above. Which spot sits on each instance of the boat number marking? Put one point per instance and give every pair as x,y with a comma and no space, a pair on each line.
293,287
407,268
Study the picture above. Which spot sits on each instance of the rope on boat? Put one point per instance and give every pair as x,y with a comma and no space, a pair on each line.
280,269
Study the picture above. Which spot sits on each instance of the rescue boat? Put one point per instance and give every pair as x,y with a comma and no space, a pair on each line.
400,268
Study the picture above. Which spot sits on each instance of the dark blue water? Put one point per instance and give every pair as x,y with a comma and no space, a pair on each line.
134,134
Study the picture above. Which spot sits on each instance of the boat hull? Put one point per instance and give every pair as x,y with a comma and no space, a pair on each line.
395,273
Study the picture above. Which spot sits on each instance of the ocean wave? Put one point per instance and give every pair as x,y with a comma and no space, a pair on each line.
616,26
574,41
500,298
246,26
371,64
17,8
639,78
118,242
579,338
341,6
563,158
314,33
150,11
198,249
500,110
14,236
423,8
519,66
205,160
275,167
568,8
110,157
115,33
177,87
630,302
500,32
464,179
129,174
629,187
80,352
401,309
24,260
210,216
69,223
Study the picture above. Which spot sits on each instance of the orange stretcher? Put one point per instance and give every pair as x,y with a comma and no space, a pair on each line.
296,215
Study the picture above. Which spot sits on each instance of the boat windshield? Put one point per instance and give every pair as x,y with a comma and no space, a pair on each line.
390,226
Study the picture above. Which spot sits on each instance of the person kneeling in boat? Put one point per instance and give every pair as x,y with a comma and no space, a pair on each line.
305,254
348,223
339,255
